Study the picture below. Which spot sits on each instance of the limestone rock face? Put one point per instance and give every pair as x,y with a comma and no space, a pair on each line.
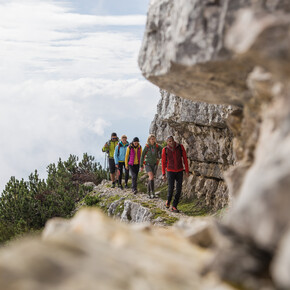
92,251
238,53
203,131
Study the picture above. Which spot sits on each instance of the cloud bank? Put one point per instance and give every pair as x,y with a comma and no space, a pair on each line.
66,81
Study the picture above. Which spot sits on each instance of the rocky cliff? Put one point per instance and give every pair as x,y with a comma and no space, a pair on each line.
226,53
203,131
237,53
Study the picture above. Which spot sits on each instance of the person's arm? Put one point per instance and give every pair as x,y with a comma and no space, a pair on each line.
116,156
163,161
127,157
143,156
105,148
184,159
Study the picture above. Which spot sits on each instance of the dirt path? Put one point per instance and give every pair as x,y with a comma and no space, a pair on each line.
105,189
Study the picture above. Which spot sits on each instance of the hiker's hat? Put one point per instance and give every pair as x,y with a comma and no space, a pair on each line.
123,136
136,139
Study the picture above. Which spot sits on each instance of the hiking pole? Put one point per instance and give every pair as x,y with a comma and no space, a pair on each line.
107,168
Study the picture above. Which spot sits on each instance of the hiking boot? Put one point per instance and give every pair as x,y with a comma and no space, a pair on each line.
120,186
167,204
148,188
154,195
135,191
113,185
126,186
151,196
174,209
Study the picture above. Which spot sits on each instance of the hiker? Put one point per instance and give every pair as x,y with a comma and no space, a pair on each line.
150,158
120,153
109,148
173,159
132,160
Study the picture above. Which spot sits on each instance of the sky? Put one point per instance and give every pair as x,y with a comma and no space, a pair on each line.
69,78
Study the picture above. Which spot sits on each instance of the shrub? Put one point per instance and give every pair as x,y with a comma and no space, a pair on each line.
91,200
26,205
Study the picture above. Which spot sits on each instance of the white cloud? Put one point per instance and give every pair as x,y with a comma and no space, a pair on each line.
99,126
65,85
45,40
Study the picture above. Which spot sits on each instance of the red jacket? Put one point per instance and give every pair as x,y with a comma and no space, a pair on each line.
172,158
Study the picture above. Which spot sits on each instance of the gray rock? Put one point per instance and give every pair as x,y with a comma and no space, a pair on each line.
135,213
199,231
187,43
113,206
237,53
280,267
93,251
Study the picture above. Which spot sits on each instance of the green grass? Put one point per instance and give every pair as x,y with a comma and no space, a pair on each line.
163,191
170,220
166,218
193,208
148,204
141,187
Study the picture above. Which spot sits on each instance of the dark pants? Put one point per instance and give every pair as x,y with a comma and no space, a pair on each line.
121,166
172,177
112,166
134,170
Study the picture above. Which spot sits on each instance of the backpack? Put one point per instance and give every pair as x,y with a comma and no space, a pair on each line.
119,145
158,157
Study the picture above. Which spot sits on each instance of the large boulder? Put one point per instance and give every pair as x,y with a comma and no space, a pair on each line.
189,46
238,53
93,251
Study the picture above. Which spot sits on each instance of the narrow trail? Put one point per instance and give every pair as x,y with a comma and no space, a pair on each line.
142,198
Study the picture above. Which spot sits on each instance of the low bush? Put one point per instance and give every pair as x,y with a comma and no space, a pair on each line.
26,205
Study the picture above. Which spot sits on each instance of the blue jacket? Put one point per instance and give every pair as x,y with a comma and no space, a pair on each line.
120,153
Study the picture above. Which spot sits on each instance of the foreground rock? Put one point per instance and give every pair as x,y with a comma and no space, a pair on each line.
187,46
92,251
238,53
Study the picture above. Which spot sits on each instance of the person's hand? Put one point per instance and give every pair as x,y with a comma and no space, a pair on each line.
106,145
187,174
164,177
127,167
141,169
117,166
